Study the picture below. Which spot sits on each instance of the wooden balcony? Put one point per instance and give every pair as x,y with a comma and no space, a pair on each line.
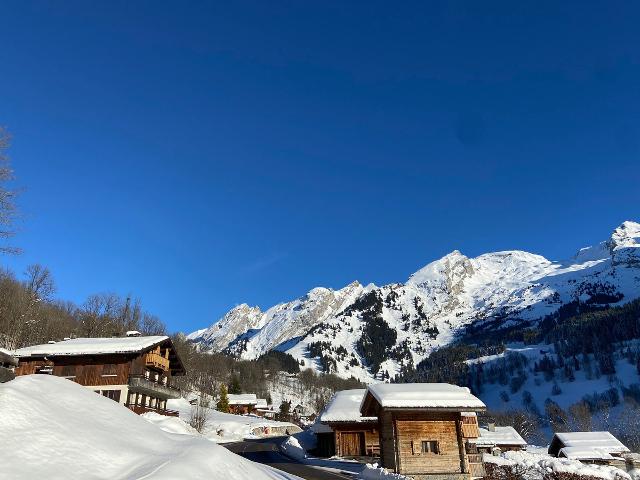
140,384
155,360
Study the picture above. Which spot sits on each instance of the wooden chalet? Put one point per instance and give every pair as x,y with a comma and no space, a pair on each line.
600,448
134,371
263,409
8,363
426,428
243,403
349,434
495,439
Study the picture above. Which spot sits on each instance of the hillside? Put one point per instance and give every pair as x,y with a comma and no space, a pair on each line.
378,332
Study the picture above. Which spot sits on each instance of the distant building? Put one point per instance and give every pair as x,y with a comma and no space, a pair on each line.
243,403
8,363
263,409
425,429
348,433
495,438
134,371
589,447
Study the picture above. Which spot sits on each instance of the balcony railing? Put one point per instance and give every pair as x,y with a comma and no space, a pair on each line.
141,384
155,360
139,409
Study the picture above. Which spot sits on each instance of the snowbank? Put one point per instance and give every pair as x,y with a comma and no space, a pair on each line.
538,465
373,472
56,429
292,448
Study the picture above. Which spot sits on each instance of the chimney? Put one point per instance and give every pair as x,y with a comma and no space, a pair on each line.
491,427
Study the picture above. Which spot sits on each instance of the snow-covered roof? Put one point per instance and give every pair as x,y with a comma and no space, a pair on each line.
586,445
499,436
424,395
92,346
584,453
345,407
243,399
262,403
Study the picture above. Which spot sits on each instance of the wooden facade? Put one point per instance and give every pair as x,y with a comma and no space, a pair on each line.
139,380
242,408
353,439
426,442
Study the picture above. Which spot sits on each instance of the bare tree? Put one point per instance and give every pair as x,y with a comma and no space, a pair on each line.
8,210
199,416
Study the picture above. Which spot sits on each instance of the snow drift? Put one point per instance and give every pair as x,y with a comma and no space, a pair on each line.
55,429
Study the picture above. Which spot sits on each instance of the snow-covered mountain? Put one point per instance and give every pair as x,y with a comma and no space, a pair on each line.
372,331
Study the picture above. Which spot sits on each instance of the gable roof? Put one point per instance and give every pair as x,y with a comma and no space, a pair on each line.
500,436
243,399
586,444
91,346
103,346
344,406
432,396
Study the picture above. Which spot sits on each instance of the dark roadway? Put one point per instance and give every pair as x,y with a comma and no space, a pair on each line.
266,451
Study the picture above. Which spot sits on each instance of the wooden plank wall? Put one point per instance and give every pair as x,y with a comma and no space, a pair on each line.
387,440
405,428
370,431
88,371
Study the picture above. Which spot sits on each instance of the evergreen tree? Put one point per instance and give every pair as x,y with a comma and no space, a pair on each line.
223,402
234,385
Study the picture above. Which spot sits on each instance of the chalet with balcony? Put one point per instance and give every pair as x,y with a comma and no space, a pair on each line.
348,433
242,403
8,363
135,371
425,429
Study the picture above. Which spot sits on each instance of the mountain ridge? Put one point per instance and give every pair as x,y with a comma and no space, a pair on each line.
374,332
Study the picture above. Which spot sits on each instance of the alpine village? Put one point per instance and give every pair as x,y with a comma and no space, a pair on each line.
330,240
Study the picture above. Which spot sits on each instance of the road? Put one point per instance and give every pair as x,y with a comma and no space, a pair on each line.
266,451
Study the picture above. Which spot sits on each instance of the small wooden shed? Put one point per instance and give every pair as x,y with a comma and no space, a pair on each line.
353,434
600,448
242,403
425,429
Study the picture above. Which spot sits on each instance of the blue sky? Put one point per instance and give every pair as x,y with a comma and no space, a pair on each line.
200,155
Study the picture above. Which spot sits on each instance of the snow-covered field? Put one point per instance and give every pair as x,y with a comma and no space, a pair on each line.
53,429
225,427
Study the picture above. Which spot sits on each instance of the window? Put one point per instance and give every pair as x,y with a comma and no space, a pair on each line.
109,370
112,394
429,446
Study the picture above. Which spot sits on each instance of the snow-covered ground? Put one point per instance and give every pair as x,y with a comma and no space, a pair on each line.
536,465
54,429
225,427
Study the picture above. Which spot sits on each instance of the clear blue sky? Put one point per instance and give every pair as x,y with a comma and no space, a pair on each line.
200,155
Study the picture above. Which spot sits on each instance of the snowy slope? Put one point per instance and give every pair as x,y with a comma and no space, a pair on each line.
492,291
56,429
